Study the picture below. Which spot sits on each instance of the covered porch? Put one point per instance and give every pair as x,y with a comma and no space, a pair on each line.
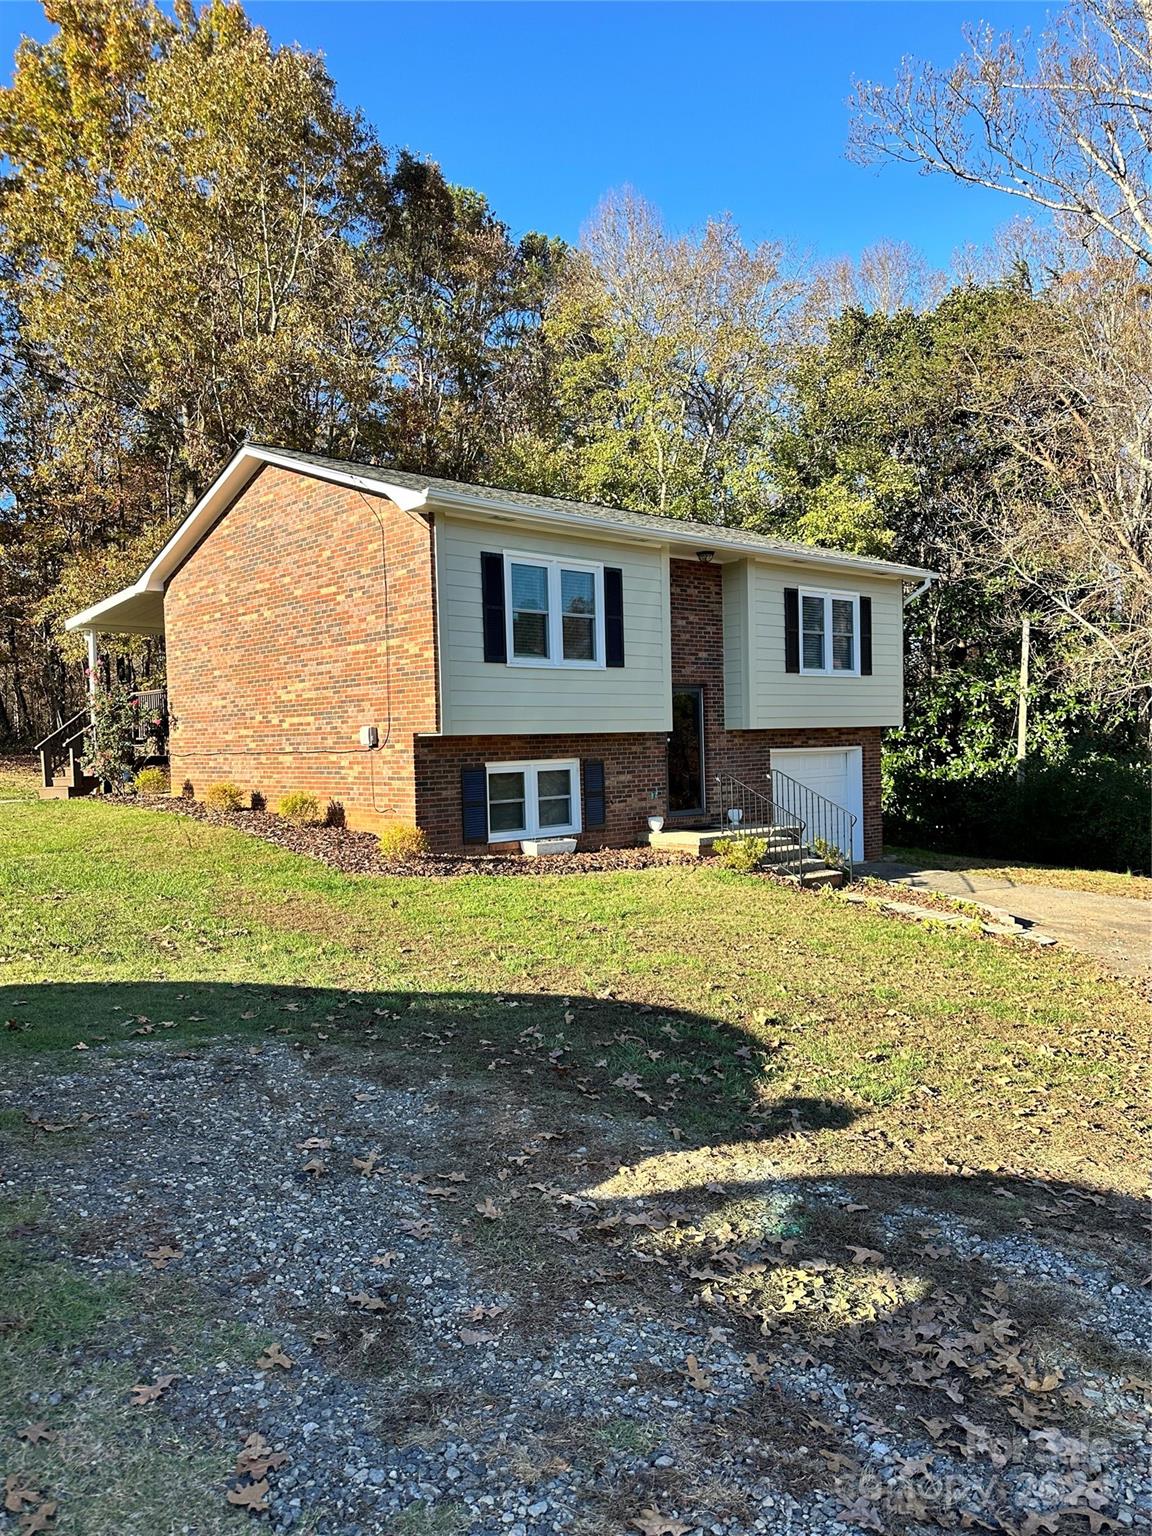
63,751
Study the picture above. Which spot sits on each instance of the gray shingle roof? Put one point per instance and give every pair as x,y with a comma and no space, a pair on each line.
679,530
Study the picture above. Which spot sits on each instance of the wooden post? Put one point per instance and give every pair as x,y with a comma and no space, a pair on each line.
93,665
1022,694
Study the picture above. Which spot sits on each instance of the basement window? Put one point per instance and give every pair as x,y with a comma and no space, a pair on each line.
540,799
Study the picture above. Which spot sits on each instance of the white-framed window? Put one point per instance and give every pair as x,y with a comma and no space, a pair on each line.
829,632
540,799
555,611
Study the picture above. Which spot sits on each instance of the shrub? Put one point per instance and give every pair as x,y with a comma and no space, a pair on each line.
1091,810
152,781
743,854
833,856
110,744
300,808
224,796
401,840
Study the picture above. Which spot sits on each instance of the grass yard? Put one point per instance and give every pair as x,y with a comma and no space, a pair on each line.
1100,882
642,1118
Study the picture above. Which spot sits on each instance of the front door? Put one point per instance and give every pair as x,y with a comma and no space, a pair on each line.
686,751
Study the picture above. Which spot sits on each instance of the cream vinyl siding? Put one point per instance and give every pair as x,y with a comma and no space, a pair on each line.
736,668
479,697
780,700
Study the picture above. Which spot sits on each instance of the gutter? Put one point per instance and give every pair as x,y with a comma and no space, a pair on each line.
919,590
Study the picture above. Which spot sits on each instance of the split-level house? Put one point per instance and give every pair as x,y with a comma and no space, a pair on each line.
499,667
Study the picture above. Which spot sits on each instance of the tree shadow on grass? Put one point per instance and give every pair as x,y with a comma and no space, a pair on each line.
971,1315
703,1075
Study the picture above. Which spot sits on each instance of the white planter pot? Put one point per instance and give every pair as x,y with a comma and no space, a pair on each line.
541,847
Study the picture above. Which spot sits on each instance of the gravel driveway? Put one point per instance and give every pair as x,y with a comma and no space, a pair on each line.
443,1307
1113,928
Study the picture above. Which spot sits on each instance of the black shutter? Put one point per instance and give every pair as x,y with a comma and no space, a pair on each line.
593,776
492,596
866,636
791,629
474,804
613,616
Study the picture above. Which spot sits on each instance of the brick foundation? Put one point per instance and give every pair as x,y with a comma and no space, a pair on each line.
635,781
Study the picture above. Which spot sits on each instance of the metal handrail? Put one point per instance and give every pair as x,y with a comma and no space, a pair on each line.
747,812
831,827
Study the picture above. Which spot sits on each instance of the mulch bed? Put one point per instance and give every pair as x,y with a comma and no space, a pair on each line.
357,853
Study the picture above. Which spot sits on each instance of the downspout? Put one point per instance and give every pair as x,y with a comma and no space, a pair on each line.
918,591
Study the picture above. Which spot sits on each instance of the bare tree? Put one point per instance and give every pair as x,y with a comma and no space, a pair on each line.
886,278
1063,122
1073,518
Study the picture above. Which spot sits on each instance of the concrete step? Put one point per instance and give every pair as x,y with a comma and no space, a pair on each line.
816,872
701,840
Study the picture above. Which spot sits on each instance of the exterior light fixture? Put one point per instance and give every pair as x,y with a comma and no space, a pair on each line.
705,556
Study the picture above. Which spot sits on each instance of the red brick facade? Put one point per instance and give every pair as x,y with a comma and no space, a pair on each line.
308,613
305,614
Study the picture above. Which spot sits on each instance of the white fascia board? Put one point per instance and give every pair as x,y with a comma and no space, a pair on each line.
405,498
87,618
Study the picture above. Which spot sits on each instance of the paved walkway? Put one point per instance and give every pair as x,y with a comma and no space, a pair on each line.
1114,928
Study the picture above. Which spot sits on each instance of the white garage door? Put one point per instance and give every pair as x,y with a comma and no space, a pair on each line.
834,775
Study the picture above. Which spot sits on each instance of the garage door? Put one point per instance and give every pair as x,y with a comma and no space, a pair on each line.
834,775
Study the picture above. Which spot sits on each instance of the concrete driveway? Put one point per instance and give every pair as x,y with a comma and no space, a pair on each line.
1113,928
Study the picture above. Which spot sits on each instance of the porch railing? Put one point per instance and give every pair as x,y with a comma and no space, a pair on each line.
748,812
150,708
60,747
831,827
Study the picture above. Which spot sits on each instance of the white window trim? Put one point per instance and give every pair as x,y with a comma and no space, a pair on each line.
531,770
826,594
554,565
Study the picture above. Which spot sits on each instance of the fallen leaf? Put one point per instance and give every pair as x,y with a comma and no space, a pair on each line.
274,1356
17,1493
161,1257
864,1255
144,1394
652,1523
257,1458
252,1497
476,1336
367,1302
35,1434
697,1378
489,1209
39,1519
759,1370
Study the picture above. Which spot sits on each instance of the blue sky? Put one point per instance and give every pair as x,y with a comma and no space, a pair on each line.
704,108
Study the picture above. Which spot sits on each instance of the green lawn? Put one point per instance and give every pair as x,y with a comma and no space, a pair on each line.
733,1003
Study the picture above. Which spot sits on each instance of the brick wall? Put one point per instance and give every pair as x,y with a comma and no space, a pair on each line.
698,662
635,778
306,614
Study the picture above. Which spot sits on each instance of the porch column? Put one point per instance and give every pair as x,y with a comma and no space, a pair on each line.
93,664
